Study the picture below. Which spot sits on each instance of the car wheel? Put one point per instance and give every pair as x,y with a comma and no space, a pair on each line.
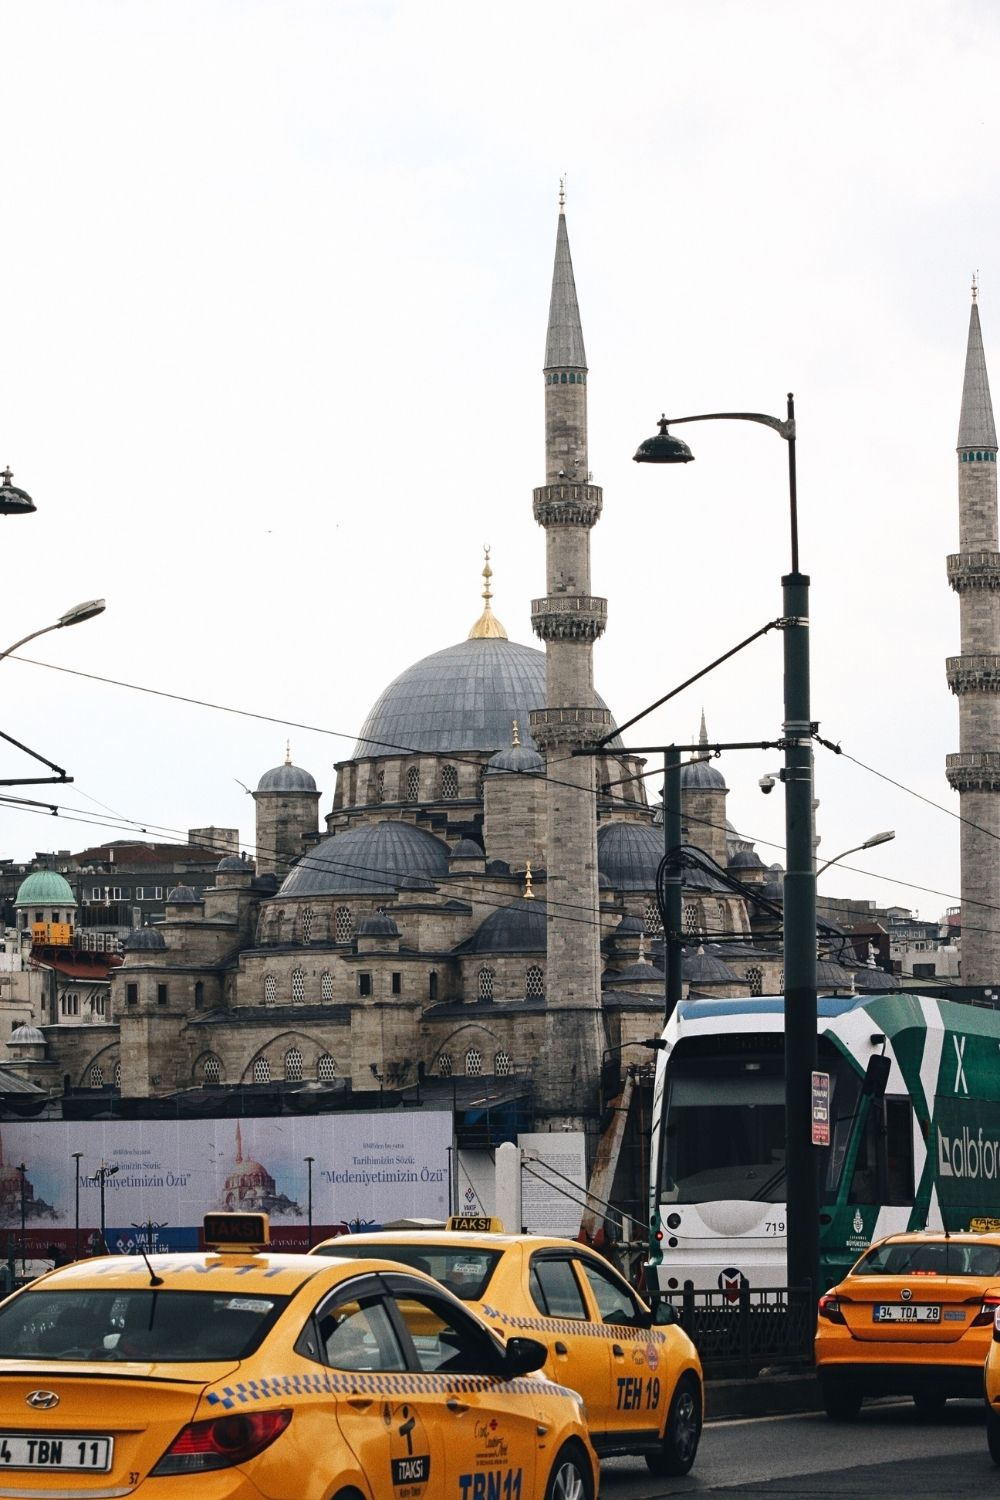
993,1434
840,1402
929,1404
682,1432
571,1477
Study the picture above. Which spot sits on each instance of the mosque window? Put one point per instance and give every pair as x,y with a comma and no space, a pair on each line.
449,782
326,1068
262,1070
444,1065
270,989
293,1065
326,987
96,1077
161,994
131,994
432,985
503,1066
652,922
412,783
473,1063
343,925
117,1075
755,979
212,1071
307,925
380,787
562,378
199,994
298,984
691,919
397,984
486,977
364,985
723,915
534,983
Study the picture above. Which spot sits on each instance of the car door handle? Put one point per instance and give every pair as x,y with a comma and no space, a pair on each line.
618,1351
454,1405
359,1403
560,1347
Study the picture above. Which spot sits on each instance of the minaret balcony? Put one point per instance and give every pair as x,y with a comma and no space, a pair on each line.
566,504
569,617
552,727
974,570
974,771
973,674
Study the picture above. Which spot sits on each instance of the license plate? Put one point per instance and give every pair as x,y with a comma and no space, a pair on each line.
56,1450
906,1312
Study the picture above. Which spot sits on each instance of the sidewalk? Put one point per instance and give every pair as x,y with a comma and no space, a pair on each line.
770,1393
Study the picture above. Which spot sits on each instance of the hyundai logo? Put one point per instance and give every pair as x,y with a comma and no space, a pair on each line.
42,1400
905,1294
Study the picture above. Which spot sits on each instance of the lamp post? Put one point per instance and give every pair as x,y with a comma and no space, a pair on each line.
75,616
103,1173
23,1170
309,1168
802,1209
76,1173
885,837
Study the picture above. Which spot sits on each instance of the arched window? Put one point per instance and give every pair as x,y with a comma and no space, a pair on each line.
117,1075
723,915
652,922
293,1065
343,925
326,987
412,783
262,1071
444,1065
486,977
534,983
326,1068
449,782
503,1066
691,919
298,984
380,787
96,1078
473,1063
199,994
270,989
755,979
212,1070
307,925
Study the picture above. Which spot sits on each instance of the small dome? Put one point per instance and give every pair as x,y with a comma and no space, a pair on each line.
179,894
286,778
378,924
746,859
629,855
518,928
832,976
630,927
467,849
875,980
700,776
516,759
45,888
231,864
705,968
370,858
144,939
23,1036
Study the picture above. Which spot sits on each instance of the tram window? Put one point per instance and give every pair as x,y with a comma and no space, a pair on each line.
899,1151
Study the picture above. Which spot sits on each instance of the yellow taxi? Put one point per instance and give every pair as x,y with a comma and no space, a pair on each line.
639,1374
913,1317
992,1384
237,1374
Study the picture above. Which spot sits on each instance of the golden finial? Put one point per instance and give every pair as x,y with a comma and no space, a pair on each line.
975,285
562,194
642,947
288,752
528,893
487,627
515,734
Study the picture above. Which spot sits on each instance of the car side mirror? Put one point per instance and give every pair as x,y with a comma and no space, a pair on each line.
665,1314
521,1356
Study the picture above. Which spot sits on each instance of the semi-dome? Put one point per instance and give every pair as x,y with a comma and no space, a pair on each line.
377,924
467,849
517,928
286,778
517,760
366,860
629,855
462,698
45,888
26,1036
144,939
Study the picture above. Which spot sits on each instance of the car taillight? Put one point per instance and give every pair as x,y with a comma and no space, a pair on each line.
222,1441
989,1312
829,1308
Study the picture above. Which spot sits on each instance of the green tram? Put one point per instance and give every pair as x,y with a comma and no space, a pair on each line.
914,1125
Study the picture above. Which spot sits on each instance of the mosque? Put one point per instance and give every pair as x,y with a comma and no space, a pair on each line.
478,918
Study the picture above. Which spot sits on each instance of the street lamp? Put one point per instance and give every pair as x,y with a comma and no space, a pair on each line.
13,502
885,837
799,941
309,1168
102,1174
76,1172
74,616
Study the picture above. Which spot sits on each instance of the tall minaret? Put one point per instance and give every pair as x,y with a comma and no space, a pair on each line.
974,574
569,621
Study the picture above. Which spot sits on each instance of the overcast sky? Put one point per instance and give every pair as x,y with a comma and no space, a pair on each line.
275,285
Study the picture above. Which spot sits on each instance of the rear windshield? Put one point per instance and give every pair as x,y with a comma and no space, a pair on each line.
146,1325
934,1258
464,1272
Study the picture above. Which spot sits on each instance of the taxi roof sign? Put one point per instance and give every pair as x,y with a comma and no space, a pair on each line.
475,1224
226,1231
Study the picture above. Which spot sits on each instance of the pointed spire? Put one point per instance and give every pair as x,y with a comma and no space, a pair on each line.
976,427
527,894
564,343
703,737
487,627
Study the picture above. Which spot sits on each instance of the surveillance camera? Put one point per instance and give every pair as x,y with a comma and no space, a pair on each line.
766,784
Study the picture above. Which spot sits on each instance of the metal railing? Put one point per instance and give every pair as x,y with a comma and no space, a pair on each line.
741,1332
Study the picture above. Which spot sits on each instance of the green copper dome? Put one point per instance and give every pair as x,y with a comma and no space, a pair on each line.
45,888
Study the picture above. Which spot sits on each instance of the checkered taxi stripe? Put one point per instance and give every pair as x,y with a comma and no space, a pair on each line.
359,1383
620,1332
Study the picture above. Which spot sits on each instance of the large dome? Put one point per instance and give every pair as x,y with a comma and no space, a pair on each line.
367,860
45,888
462,698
